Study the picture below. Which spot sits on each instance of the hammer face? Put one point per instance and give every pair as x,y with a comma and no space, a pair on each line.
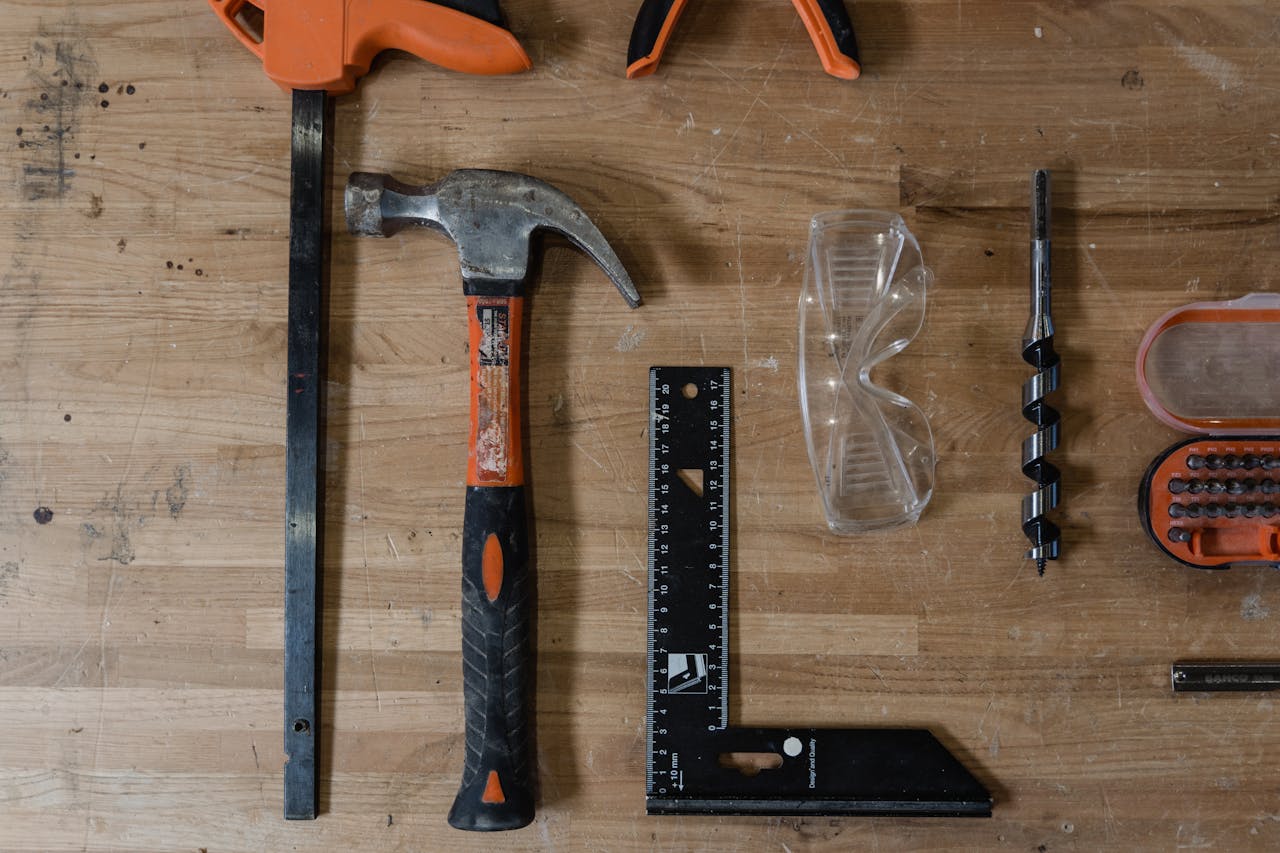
379,205
491,217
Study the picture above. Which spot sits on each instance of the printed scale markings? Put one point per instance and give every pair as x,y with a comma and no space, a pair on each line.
687,672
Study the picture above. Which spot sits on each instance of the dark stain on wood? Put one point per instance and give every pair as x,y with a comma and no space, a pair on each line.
58,65
176,494
8,572
121,518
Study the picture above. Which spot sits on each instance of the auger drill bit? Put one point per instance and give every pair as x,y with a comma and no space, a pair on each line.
1037,350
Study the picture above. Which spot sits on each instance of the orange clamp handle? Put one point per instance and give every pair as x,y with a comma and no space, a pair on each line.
329,44
835,59
647,44
827,22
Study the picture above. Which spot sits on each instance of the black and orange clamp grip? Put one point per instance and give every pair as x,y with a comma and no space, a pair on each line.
329,44
826,20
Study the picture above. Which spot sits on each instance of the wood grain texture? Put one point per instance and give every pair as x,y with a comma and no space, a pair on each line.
143,252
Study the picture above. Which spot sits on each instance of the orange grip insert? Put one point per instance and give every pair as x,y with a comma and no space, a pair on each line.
493,789
329,44
491,567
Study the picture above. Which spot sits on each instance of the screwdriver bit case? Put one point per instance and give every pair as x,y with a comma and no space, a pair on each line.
1213,368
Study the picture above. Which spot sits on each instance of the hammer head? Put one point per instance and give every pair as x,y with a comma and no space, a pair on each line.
491,217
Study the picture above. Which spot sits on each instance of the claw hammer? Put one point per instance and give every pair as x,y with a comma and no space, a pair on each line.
491,217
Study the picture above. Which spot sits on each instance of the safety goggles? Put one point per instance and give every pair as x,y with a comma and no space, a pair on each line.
863,302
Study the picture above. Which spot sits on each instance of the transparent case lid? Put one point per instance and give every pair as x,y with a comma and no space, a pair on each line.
1214,367
863,302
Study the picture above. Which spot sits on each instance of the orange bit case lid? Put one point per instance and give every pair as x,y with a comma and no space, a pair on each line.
1214,367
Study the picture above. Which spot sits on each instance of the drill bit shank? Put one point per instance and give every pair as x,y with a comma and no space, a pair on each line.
1038,351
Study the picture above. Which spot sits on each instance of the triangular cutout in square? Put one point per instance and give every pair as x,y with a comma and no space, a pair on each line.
691,477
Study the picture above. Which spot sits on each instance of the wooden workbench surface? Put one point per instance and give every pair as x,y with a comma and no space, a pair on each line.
143,238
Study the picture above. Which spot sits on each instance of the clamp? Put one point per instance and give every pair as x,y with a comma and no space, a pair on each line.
826,20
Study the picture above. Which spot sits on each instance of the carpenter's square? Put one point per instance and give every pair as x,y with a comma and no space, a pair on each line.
695,762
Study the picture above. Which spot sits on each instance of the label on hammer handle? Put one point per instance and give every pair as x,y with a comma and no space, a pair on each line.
495,452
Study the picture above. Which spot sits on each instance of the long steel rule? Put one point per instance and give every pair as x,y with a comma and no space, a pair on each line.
303,429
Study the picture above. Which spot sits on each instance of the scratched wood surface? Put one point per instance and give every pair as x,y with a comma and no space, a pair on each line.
143,231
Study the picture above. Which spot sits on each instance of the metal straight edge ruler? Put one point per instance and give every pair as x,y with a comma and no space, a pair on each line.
691,751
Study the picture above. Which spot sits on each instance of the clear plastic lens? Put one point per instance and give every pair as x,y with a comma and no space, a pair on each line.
863,302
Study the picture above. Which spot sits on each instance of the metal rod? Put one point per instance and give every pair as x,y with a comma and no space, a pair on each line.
1224,676
304,509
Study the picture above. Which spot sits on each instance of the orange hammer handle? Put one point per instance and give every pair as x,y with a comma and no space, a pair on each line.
495,454
329,44
496,595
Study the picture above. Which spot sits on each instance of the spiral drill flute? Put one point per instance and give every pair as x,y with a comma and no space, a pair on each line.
1037,350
